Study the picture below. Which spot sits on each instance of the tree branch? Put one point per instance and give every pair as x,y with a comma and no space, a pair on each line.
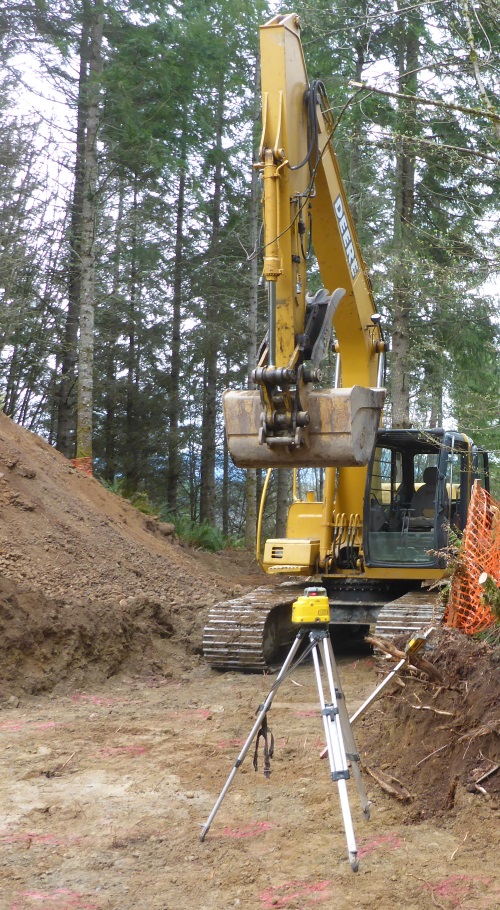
477,112
474,60
434,143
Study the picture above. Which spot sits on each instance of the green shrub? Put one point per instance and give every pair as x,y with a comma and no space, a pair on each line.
139,498
200,535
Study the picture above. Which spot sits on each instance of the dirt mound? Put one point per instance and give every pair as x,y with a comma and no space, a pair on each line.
439,739
87,583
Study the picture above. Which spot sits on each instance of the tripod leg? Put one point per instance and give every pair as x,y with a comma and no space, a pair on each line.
255,729
375,694
336,755
345,724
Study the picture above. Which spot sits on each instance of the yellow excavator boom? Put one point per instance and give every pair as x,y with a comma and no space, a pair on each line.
287,421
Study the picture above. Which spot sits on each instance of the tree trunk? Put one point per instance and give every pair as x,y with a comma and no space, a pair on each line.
174,464
435,418
282,500
114,331
225,490
11,389
212,343
66,392
193,481
131,418
88,258
408,47
250,508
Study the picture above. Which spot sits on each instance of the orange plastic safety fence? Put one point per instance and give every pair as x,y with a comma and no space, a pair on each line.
480,552
85,465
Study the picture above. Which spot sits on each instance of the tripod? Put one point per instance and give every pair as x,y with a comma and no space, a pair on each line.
341,747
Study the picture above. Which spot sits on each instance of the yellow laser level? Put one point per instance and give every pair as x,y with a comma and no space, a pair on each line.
415,644
311,607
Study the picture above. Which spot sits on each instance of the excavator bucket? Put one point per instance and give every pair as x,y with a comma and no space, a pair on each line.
341,432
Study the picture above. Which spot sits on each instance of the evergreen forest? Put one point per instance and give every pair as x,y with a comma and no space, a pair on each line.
130,225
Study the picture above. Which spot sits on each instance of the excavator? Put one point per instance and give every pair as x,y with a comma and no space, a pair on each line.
374,520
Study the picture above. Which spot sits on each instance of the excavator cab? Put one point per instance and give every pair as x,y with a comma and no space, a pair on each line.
418,487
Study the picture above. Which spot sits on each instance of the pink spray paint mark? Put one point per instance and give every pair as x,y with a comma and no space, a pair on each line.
456,888
251,830
15,726
60,899
307,713
386,840
282,895
28,837
226,743
155,683
12,726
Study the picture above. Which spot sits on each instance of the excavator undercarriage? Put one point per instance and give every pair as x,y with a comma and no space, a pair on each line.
251,631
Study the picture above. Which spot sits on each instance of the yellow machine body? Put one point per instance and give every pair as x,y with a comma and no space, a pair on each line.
295,557
359,530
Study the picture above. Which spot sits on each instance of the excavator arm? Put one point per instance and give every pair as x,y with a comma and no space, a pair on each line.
288,421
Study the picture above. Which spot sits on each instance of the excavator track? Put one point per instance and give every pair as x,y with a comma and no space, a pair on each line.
246,632
409,613
385,609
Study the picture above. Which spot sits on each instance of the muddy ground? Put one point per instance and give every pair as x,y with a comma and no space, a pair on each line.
116,738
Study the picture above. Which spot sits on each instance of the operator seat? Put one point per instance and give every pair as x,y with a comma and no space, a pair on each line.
424,498
423,504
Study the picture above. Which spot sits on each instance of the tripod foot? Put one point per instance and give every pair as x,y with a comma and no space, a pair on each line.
367,811
354,861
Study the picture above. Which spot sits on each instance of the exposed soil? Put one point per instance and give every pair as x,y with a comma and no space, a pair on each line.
440,738
89,585
116,738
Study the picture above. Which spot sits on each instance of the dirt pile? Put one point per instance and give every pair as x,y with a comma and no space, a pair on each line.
439,739
87,583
